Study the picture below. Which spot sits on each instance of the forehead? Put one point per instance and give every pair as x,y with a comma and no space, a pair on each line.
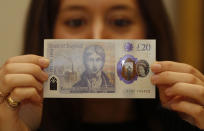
97,4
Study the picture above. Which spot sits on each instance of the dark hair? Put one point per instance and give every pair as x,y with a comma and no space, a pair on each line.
40,22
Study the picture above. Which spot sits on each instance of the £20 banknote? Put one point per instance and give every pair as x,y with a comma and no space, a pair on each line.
99,68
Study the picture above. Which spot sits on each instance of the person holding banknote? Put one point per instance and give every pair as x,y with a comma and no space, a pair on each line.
180,101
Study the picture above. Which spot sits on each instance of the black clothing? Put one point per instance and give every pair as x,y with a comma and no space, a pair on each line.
64,115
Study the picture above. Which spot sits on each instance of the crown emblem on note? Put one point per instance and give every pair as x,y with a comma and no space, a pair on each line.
128,46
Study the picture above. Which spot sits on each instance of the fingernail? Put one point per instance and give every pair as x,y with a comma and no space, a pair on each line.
44,61
39,99
156,67
168,92
154,79
44,76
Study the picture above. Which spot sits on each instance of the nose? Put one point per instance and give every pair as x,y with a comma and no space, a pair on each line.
98,29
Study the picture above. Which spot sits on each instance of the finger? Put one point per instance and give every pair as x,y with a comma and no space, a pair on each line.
26,68
187,90
20,80
162,95
194,110
24,94
162,66
21,94
167,103
10,112
169,77
38,60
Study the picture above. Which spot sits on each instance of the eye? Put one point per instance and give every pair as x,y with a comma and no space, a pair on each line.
75,23
121,22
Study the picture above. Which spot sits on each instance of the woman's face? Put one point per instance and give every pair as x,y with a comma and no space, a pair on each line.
99,19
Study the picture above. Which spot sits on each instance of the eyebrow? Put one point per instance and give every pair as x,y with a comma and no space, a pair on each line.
121,7
73,8
80,7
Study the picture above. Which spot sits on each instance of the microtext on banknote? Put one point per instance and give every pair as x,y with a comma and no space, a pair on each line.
99,68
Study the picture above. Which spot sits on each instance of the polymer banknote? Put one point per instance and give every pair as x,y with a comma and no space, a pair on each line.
99,68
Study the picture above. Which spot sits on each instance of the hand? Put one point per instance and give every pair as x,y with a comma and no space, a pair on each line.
181,88
21,79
